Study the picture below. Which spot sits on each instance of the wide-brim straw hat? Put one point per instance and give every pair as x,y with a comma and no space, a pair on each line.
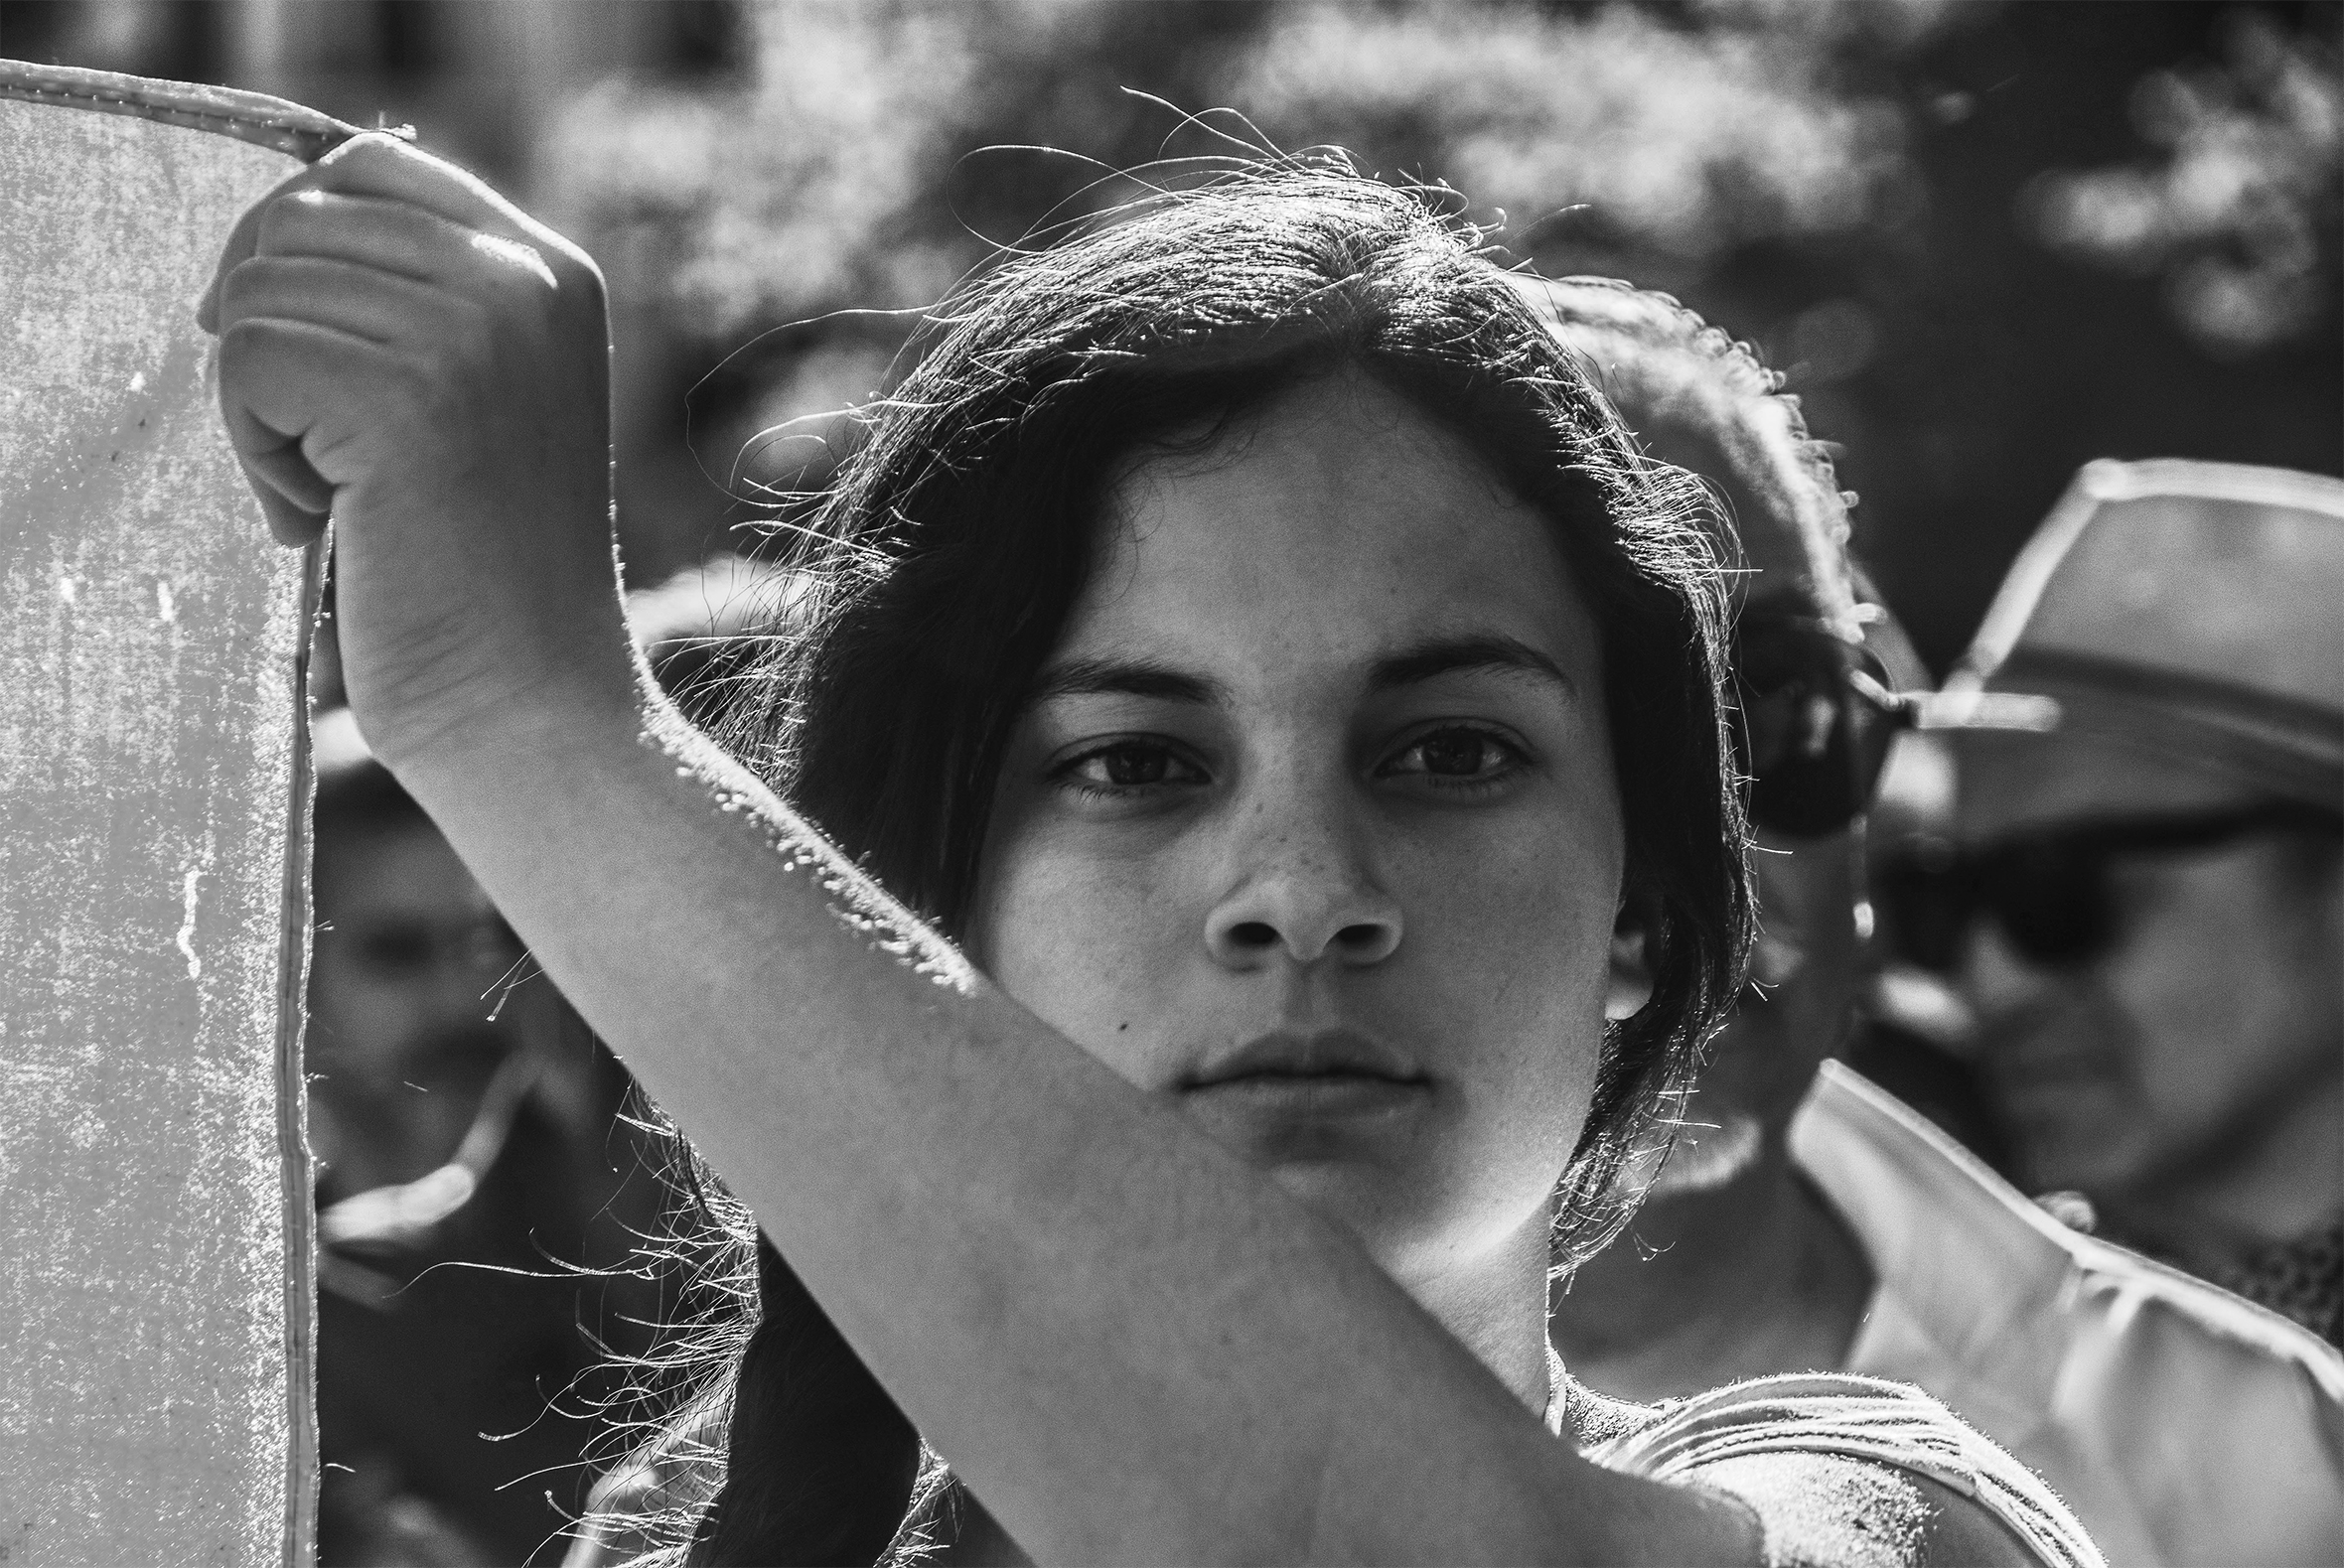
2172,639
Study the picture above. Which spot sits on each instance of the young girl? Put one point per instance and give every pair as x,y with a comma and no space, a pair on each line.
1279,835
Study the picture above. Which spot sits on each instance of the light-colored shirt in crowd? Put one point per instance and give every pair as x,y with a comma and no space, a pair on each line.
2184,1426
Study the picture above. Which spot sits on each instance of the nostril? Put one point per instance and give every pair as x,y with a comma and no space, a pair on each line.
1253,934
1364,938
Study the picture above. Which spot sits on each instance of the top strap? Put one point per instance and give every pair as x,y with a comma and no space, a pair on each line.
226,111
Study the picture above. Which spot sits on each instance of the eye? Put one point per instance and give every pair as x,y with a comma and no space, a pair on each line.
1128,767
1456,756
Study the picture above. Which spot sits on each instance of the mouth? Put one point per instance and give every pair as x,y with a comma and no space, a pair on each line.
1288,1077
1326,1056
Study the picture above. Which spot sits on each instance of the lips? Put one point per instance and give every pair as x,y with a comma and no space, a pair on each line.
1324,1056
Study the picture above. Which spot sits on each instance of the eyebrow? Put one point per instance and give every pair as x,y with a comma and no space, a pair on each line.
1092,677
1453,655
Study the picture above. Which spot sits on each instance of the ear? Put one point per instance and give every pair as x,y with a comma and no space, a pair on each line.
1627,983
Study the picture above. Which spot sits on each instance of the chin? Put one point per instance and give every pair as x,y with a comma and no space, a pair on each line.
2080,1133
1413,1229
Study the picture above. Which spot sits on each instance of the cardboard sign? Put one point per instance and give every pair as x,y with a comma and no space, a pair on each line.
156,1307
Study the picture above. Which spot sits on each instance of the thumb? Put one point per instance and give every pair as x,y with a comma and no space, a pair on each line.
292,496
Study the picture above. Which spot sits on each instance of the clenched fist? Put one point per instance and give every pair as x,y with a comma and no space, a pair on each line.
404,350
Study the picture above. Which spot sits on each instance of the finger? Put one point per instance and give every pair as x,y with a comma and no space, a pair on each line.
347,296
390,170
392,236
244,237
294,496
274,378
393,170
289,522
242,240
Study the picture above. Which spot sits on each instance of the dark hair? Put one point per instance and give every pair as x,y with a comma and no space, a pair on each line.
1682,384
944,558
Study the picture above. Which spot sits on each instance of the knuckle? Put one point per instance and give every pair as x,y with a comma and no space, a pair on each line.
277,222
243,347
243,292
515,265
235,342
235,294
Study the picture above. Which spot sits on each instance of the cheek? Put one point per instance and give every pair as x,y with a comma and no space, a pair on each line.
1508,940
2204,960
1084,944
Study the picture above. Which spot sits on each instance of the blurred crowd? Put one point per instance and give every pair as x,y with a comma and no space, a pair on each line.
2044,1042
2045,1036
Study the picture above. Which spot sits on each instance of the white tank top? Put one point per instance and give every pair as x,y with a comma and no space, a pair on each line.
1826,1413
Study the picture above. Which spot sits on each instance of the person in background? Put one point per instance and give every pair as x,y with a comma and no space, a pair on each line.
473,1199
1808,1220
2142,897
1144,1347
461,1114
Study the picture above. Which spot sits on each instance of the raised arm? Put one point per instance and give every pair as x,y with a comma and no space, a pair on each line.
1131,1344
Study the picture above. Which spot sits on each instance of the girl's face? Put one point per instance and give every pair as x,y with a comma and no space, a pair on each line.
1311,825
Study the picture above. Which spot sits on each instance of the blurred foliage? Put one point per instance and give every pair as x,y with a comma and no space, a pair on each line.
1679,135
2240,214
1911,206
863,155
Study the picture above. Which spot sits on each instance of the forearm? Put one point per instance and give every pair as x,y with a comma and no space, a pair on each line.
1130,1343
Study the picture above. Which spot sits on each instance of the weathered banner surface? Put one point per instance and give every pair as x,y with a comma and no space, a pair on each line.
155,1303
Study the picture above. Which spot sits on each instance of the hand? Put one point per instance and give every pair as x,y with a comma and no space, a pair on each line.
404,349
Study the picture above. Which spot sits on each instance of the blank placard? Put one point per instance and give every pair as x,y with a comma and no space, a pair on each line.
155,1303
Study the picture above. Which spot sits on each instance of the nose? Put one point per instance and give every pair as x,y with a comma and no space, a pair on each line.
1305,891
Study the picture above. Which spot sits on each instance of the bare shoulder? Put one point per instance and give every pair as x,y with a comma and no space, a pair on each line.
1827,1511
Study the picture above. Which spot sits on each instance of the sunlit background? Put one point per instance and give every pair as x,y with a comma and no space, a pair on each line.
1987,241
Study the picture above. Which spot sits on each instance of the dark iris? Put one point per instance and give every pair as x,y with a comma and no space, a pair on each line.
1454,753
1128,766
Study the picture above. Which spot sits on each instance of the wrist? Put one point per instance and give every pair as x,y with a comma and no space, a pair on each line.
513,734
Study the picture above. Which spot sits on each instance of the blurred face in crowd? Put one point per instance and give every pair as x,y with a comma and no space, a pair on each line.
2210,1007
1794,1008
1313,828
410,963
1793,1011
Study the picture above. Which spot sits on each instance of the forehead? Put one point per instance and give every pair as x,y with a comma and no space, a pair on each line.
1334,522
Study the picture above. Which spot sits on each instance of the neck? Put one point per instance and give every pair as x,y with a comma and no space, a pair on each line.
1755,1276
1495,1305
2276,1176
